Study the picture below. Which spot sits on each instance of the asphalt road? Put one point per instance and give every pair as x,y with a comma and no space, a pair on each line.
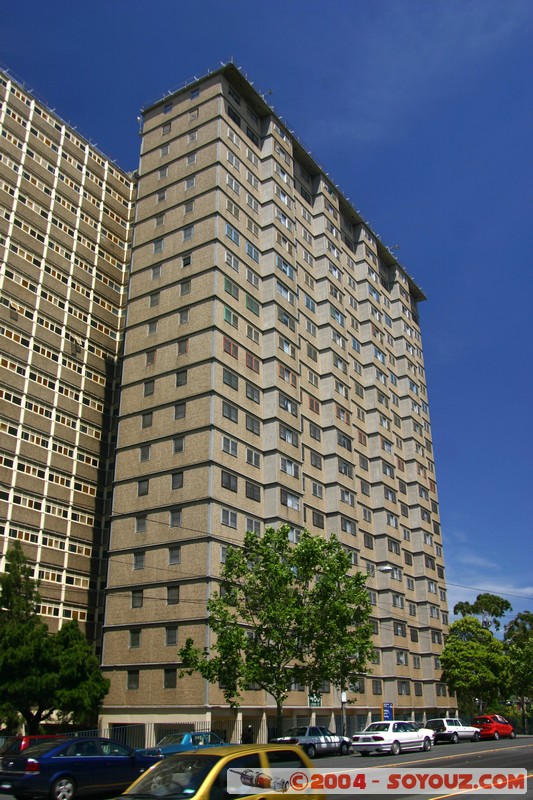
508,754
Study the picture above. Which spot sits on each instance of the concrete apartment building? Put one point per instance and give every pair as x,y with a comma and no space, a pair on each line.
65,232
271,372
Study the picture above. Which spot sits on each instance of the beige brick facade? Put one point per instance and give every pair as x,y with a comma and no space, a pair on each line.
273,372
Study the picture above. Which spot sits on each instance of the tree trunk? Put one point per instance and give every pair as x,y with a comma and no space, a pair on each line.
279,718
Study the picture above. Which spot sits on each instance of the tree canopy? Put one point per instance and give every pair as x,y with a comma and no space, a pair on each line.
474,664
489,607
286,613
520,629
42,675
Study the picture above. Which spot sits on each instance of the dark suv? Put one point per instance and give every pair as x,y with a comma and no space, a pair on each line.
14,745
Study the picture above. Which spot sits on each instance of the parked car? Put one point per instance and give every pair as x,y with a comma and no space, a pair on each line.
493,726
63,769
204,774
180,742
451,729
16,744
315,740
430,731
391,736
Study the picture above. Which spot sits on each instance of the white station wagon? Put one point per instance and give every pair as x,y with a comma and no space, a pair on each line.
391,737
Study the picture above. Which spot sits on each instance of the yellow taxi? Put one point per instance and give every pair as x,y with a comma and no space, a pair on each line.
203,774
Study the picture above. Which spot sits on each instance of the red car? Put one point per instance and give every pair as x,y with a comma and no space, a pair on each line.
492,726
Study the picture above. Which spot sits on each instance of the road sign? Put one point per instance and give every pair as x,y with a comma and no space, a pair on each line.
315,700
388,711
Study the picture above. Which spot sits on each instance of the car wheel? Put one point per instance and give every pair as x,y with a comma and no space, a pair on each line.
311,750
63,789
344,749
476,737
454,738
496,736
512,735
426,744
395,748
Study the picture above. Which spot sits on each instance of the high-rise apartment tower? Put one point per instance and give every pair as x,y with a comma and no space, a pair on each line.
65,231
272,373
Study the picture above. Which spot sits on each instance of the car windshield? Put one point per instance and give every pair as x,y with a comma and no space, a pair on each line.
173,738
174,777
378,726
302,731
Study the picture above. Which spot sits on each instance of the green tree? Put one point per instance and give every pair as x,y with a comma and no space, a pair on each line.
520,629
285,613
518,643
474,664
489,607
42,675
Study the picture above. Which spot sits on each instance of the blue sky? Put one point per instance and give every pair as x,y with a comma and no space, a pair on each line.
421,112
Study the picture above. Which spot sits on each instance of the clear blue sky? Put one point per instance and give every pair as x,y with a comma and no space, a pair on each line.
421,112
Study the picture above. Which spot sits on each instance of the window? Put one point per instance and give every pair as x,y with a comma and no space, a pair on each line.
253,491
173,595
290,500
377,686
174,554
179,411
149,388
142,487
183,346
400,629
177,480
138,560
318,519
170,679
150,357
253,457
171,635
140,523
133,679
397,600
289,466
181,377
135,637
230,411
188,233
178,444
228,518
230,378
229,446
175,518
404,688
230,347
158,245
253,425
228,481
137,598
252,392
252,362
232,233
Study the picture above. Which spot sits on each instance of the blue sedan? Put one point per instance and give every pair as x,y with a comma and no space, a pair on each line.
182,742
72,767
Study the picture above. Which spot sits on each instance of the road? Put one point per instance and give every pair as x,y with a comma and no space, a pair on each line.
506,754
488,755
